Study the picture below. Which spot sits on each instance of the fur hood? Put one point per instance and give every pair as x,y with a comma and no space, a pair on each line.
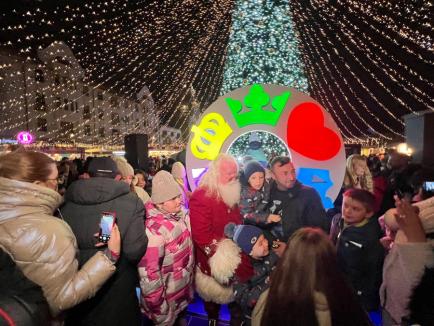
210,290
223,263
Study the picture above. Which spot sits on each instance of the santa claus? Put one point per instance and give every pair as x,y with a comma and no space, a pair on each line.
213,205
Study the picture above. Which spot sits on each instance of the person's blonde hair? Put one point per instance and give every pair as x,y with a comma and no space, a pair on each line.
28,166
210,179
350,175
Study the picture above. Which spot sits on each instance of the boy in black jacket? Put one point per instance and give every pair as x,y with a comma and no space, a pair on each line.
359,251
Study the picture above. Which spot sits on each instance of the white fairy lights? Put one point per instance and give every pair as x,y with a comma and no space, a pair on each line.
367,62
150,44
372,59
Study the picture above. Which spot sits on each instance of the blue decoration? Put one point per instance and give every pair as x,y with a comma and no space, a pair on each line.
318,179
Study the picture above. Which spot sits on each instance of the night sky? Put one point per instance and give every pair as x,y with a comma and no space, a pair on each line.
368,65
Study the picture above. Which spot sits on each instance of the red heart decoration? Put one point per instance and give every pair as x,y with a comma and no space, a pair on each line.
307,135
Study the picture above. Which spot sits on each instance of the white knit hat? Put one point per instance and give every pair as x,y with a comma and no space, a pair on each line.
164,187
124,168
178,170
426,215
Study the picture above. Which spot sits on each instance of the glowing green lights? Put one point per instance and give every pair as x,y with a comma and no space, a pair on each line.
256,101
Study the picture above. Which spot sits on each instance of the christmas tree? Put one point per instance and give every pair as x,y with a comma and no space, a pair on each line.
263,47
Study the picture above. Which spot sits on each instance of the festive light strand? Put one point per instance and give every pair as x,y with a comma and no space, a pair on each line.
317,54
352,46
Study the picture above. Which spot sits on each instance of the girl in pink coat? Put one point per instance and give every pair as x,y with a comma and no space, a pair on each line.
166,269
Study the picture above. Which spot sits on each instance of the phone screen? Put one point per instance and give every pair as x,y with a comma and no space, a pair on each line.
428,185
106,225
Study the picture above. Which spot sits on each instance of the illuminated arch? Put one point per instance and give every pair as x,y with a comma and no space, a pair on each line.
310,133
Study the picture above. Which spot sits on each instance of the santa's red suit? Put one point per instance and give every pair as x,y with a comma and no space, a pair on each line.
218,259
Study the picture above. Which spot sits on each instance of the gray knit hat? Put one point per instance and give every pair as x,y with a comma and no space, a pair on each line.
164,187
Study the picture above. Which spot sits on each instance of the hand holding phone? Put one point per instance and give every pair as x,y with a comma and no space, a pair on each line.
114,244
114,238
107,222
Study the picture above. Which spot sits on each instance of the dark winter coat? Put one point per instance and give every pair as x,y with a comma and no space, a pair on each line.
253,204
116,303
299,206
360,256
247,294
421,303
397,180
20,299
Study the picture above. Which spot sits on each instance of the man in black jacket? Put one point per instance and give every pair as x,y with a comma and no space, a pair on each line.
116,302
299,205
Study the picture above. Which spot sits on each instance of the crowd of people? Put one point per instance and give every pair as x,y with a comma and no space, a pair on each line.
252,237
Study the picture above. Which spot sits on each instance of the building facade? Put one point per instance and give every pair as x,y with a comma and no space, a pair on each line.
166,138
49,97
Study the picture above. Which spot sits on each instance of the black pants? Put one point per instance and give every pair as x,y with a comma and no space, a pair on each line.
213,310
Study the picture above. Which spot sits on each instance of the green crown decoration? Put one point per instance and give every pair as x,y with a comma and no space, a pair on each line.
257,101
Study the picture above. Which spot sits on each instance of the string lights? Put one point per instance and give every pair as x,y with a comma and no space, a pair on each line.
347,104
367,63
372,60
152,37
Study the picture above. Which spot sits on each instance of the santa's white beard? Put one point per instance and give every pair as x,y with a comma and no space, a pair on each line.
230,193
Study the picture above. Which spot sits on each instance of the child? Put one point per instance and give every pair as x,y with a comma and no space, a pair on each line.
357,174
360,254
252,241
166,269
254,199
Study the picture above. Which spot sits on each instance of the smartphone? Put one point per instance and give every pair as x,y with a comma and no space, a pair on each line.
108,219
428,186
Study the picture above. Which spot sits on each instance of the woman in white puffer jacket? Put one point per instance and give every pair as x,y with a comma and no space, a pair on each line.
41,245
